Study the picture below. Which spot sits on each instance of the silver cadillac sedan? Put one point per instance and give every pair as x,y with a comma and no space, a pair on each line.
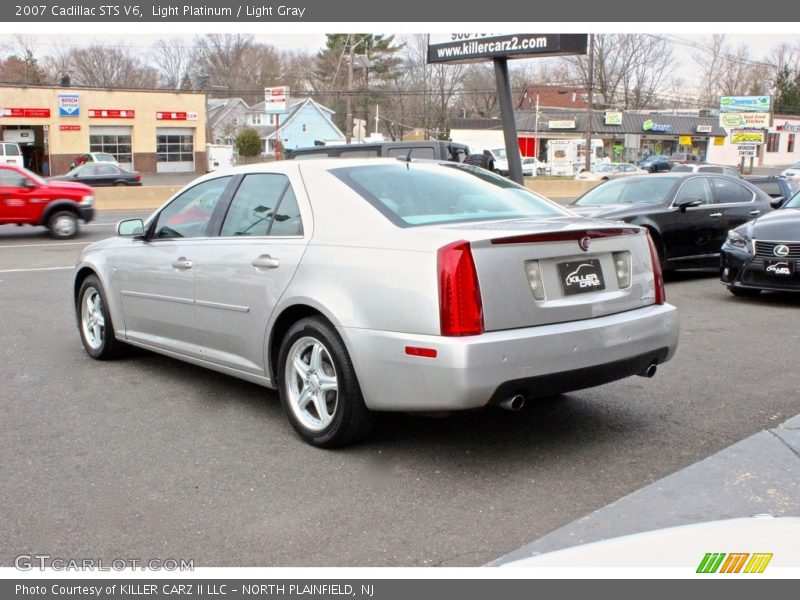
355,286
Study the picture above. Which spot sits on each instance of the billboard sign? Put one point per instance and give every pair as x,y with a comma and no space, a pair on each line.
747,150
474,47
744,104
750,120
276,100
613,118
747,136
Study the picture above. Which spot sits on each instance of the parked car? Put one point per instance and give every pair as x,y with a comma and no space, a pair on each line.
683,158
101,174
793,171
27,199
10,154
355,286
688,215
606,171
93,157
780,189
532,167
655,163
764,254
706,168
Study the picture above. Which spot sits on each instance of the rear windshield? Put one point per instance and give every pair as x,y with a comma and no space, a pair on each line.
411,194
104,157
641,190
683,169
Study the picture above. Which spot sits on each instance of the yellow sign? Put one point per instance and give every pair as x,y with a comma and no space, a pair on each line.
719,141
685,140
747,137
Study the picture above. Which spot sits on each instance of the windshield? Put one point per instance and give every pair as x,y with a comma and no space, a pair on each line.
794,201
499,153
411,194
34,176
641,190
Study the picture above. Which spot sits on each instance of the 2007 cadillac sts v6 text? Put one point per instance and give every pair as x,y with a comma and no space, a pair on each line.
355,286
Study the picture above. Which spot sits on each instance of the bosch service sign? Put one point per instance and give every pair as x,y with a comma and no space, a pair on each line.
68,105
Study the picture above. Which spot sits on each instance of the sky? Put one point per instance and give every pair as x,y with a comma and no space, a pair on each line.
303,37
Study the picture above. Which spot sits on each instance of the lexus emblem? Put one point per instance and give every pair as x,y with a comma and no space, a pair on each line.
585,241
781,250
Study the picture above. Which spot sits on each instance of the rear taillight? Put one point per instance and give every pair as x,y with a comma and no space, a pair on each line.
460,306
138,176
658,278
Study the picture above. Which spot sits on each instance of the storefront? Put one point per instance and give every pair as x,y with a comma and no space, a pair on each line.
149,131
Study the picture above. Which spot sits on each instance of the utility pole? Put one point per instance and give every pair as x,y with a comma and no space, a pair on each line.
589,105
348,126
507,116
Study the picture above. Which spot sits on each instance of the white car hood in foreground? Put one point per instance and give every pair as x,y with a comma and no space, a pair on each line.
685,546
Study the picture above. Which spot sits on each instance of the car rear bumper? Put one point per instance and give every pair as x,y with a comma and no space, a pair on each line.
471,372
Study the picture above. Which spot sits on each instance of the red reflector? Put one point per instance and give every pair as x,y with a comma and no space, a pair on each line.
566,236
424,352
661,293
460,305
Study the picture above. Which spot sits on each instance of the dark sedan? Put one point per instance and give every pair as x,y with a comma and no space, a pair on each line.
99,174
655,163
764,254
688,215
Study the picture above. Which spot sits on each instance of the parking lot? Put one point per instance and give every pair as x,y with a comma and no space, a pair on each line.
149,457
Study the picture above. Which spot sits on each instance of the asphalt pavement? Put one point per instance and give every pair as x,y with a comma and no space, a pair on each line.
149,457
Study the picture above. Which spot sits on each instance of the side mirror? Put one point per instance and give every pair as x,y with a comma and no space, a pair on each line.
27,183
685,203
776,202
130,228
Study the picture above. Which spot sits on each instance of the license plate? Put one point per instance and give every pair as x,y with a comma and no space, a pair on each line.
779,268
580,276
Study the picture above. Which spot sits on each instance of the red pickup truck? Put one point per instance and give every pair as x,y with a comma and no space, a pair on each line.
27,199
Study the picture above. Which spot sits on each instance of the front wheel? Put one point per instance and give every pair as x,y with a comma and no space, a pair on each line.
63,225
94,321
318,387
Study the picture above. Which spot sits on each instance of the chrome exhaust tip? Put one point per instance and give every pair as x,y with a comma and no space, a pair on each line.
513,403
650,371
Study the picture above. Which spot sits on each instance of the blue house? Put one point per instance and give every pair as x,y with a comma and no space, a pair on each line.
306,122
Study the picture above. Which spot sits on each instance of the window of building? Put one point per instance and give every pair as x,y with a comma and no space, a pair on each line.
305,128
175,148
773,142
790,146
117,145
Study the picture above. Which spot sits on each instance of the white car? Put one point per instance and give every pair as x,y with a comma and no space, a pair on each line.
606,171
360,285
793,171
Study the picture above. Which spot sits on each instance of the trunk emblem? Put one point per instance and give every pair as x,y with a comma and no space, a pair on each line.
781,250
585,241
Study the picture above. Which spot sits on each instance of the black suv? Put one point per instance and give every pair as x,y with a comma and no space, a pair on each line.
780,189
432,149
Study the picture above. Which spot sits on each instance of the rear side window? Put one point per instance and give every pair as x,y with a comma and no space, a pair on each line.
263,205
359,153
12,150
410,194
727,191
10,178
695,188
772,188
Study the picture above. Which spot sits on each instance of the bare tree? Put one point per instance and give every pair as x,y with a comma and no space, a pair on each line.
224,58
108,66
630,70
175,61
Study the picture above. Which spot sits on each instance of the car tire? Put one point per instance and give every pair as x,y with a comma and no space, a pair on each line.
63,225
484,161
744,292
318,387
94,321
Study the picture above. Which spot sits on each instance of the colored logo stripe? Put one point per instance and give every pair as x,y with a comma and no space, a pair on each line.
734,563
711,562
758,563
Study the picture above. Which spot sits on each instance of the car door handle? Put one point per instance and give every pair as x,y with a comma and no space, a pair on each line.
755,212
715,215
182,263
265,261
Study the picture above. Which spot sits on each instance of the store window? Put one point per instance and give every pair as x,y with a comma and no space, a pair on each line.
790,147
773,142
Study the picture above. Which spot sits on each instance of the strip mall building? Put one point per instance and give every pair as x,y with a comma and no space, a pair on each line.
148,131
